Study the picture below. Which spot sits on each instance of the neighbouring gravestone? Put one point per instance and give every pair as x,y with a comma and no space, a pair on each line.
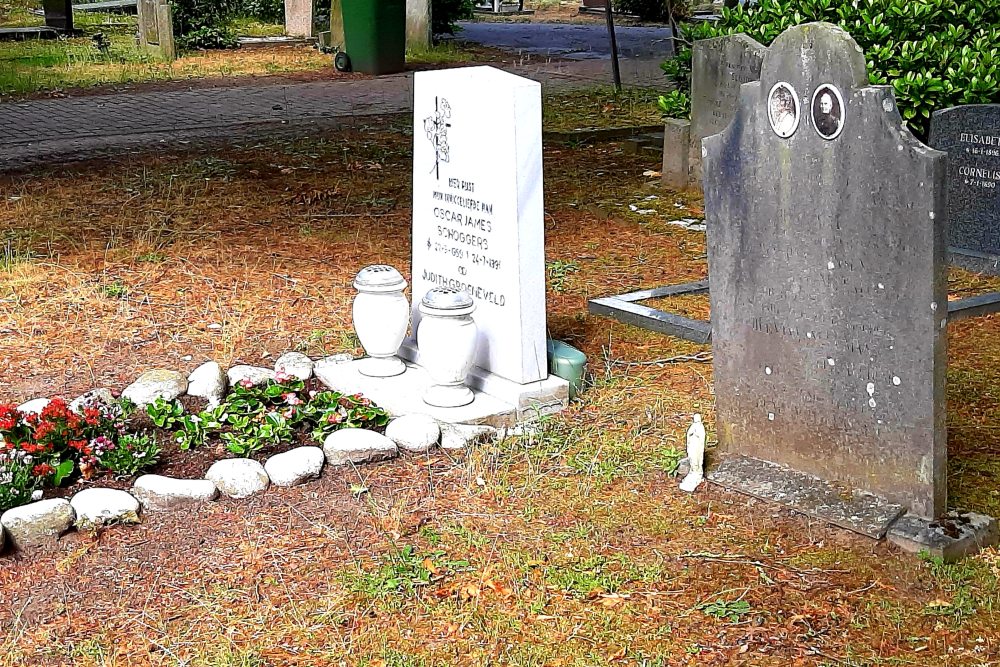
719,67
826,248
971,137
299,18
156,27
335,39
418,24
58,14
477,209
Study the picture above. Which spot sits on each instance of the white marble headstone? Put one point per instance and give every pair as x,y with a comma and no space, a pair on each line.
478,222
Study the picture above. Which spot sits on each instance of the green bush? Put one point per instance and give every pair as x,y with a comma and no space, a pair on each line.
204,24
445,13
675,104
267,11
934,53
654,10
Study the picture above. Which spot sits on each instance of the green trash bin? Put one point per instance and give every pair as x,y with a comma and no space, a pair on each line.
374,36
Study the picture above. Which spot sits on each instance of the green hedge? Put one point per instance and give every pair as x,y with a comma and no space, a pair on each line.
654,10
446,13
204,24
934,53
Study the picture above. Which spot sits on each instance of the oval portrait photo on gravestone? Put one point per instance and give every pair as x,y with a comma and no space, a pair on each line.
783,109
828,111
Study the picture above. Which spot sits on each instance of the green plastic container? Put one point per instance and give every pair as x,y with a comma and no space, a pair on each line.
569,363
375,35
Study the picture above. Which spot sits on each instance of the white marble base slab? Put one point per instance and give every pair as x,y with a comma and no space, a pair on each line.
403,394
545,396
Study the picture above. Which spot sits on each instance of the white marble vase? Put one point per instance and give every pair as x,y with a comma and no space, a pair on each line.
381,316
447,337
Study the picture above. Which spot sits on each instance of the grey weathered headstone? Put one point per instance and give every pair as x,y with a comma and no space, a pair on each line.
156,28
418,24
718,67
826,248
971,137
58,14
675,171
336,25
299,18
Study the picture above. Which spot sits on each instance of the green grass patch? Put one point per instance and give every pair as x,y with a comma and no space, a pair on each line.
600,107
438,54
247,26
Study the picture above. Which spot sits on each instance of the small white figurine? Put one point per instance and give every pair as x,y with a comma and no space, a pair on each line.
696,455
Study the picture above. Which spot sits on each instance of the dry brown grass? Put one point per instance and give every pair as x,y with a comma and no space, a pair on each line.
570,546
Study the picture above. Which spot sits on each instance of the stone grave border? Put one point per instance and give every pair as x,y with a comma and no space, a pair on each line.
624,308
39,524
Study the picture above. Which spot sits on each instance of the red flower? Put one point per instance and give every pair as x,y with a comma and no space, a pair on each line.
56,409
92,416
42,470
9,417
80,446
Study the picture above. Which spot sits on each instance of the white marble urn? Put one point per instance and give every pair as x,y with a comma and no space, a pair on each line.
381,316
447,337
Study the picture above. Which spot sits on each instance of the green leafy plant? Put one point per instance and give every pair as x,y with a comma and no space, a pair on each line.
132,453
254,417
731,610
17,479
934,53
675,104
165,414
668,459
678,68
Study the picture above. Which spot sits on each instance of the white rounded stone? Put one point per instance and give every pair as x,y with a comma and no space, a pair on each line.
97,398
156,492
414,433
461,436
295,364
208,381
34,406
38,524
154,384
295,466
238,478
95,507
357,445
255,374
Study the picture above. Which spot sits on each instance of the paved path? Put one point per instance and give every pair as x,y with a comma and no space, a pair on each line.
81,127
575,41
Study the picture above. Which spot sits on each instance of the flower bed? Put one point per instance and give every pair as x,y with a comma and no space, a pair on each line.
102,440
